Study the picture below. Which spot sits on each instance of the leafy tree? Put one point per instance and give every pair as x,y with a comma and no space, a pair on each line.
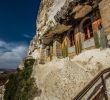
20,85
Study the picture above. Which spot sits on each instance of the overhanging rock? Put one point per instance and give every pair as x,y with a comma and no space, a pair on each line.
81,11
58,29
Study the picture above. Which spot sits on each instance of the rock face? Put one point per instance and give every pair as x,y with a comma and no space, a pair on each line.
47,11
62,79
54,14
58,80
45,21
2,89
105,13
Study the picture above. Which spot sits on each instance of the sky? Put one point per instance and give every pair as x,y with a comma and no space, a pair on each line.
17,28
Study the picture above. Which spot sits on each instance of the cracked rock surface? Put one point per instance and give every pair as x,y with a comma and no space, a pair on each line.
62,79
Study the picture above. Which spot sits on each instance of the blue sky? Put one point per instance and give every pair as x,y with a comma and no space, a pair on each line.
17,28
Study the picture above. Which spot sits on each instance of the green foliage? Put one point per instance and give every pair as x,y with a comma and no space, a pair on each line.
28,65
20,85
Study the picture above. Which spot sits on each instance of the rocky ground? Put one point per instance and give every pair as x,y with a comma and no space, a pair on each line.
62,79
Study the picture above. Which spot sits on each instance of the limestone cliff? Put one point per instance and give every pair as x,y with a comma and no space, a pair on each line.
45,21
61,79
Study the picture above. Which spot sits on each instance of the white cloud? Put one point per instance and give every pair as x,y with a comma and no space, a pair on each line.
2,43
27,36
13,55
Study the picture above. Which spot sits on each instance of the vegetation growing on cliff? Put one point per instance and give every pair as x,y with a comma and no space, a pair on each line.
20,85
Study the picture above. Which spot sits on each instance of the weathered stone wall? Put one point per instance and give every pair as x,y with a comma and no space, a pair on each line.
45,21
104,7
47,11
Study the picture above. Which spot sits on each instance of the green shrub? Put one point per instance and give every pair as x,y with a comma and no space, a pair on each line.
20,85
